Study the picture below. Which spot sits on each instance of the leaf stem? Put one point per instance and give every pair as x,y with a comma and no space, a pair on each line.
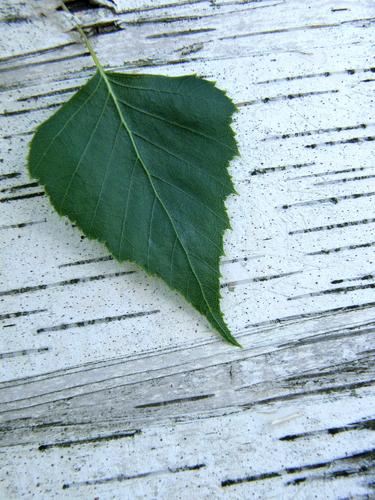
84,39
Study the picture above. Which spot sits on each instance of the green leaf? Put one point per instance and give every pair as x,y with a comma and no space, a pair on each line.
139,162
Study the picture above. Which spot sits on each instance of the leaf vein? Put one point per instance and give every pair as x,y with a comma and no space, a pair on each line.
158,146
83,153
104,178
145,88
67,123
172,257
123,223
190,196
149,232
176,124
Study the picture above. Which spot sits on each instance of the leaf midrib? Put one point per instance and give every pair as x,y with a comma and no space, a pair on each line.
132,140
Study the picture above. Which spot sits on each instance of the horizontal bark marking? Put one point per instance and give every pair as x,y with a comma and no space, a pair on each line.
23,224
345,180
367,455
315,132
331,199
29,110
330,291
19,187
283,97
353,140
332,431
18,134
297,28
327,251
14,19
248,479
328,227
173,34
281,168
362,470
94,260
238,259
26,196
96,321
175,401
50,93
18,314
93,440
10,175
331,172
318,75
357,278
178,5
26,65
230,284
73,281
197,17
35,53
23,352
123,477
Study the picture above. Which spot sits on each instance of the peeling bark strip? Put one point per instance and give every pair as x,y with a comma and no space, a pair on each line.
151,407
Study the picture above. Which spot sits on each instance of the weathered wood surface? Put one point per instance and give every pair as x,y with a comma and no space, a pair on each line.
111,386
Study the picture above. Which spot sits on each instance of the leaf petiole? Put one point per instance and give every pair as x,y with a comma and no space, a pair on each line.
85,40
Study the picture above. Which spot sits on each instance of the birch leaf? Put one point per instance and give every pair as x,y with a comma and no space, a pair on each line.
139,162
